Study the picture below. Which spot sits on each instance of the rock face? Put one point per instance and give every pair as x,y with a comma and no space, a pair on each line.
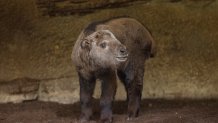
59,90
82,7
35,61
19,90
71,7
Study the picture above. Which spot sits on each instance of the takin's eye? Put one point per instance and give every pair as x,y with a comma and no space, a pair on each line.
103,45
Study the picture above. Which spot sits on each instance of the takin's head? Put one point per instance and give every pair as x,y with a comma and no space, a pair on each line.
104,49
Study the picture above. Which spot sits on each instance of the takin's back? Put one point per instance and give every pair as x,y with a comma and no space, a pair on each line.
128,31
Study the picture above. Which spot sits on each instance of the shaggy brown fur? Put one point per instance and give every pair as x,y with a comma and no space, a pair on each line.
103,49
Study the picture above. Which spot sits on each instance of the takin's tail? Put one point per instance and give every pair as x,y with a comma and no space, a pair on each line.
150,48
153,49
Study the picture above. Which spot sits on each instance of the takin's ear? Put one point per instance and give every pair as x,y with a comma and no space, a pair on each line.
85,44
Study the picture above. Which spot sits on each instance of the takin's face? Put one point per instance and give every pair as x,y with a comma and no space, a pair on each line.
105,50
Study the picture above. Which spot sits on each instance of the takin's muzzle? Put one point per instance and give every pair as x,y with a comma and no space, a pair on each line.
122,54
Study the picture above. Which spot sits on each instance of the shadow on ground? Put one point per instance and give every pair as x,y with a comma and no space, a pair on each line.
152,111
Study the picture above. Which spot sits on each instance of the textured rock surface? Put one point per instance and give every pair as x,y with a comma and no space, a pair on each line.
59,90
71,7
39,48
19,90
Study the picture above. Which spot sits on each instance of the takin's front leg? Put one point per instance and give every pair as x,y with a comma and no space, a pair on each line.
86,91
109,86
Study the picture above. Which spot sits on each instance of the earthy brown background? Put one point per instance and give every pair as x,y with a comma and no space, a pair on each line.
36,39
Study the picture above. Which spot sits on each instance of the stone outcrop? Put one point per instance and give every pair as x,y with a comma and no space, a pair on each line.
18,90
82,7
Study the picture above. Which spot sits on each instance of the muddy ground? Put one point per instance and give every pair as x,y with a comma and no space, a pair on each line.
152,111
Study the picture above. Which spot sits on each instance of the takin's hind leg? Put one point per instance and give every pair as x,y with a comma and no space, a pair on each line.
134,84
134,98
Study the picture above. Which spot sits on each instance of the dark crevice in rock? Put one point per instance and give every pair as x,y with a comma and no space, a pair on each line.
81,7
174,1
56,78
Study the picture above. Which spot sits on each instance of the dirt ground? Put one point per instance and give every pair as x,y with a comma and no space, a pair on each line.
152,111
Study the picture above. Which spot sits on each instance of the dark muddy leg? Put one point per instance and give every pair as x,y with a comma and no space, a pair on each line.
86,91
132,78
109,86
122,77
134,99
134,90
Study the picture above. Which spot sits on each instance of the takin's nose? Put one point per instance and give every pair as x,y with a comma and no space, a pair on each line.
123,51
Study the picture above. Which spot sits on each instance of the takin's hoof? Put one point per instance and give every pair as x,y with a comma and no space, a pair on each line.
131,118
107,120
84,120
